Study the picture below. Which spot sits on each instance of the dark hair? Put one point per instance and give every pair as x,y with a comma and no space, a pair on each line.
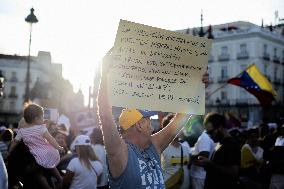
166,120
31,112
97,136
7,135
252,131
215,119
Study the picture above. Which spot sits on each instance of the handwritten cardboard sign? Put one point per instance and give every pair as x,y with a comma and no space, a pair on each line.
156,69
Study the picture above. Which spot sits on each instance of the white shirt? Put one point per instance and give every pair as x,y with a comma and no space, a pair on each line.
101,154
169,159
203,144
279,141
83,177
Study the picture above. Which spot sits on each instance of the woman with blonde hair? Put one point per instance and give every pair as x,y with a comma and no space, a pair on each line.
83,172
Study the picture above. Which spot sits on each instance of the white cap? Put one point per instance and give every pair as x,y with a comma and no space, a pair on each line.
82,140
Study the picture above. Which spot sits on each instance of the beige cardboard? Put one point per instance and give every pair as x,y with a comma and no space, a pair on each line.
156,69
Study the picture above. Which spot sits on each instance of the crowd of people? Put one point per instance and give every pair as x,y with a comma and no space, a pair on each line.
42,154
131,154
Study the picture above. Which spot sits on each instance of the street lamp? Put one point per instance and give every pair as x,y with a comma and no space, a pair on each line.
31,18
2,79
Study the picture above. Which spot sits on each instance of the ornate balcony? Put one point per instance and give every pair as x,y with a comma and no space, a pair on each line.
277,81
13,96
224,57
243,55
276,59
13,79
266,56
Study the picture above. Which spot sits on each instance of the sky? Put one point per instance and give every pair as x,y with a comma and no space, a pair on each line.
78,33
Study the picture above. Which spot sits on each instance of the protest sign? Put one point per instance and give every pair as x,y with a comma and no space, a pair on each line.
159,70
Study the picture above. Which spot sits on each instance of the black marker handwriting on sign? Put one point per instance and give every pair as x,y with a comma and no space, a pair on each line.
131,67
190,99
118,91
166,97
159,35
160,45
158,71
153,86
141,94
164,55
126,50
183,66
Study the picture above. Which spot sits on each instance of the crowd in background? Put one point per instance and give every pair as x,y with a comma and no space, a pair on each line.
257,154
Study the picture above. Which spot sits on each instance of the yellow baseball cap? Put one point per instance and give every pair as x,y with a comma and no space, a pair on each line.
129,117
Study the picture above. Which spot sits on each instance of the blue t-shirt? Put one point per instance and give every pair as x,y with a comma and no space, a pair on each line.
143,170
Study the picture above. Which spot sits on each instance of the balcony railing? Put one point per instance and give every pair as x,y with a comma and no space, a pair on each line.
266,56
224,57
13,96
13,79
277,81
222,79
224,102
211,59
276,59
242,101
243,55
232,102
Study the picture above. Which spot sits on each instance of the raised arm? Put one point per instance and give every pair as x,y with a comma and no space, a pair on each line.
163,138
52,141
116,148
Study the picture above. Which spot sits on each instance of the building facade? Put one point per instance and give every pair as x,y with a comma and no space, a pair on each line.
235,46
47,85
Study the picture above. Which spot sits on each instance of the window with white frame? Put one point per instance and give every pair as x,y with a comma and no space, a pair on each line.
224,95
275,52
264,48
243,48
275,73
224,72
224,50
12,105
13,90
265,69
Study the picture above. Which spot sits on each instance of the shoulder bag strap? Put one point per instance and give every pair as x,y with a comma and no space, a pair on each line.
181,152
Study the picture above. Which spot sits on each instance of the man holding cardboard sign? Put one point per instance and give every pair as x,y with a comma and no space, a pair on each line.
134,158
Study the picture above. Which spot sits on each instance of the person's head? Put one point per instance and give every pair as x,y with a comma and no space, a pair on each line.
97,136
52,127
263,130
22,123
281,130
136,121
215,125
252,137
166,120
7,135
84,150
61,139
33,114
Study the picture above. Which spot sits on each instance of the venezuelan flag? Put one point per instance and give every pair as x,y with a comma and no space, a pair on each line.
255,83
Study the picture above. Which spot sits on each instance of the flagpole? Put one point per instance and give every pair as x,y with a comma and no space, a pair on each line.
222,86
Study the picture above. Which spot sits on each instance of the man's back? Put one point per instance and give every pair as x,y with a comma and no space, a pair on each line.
143,170
226,154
